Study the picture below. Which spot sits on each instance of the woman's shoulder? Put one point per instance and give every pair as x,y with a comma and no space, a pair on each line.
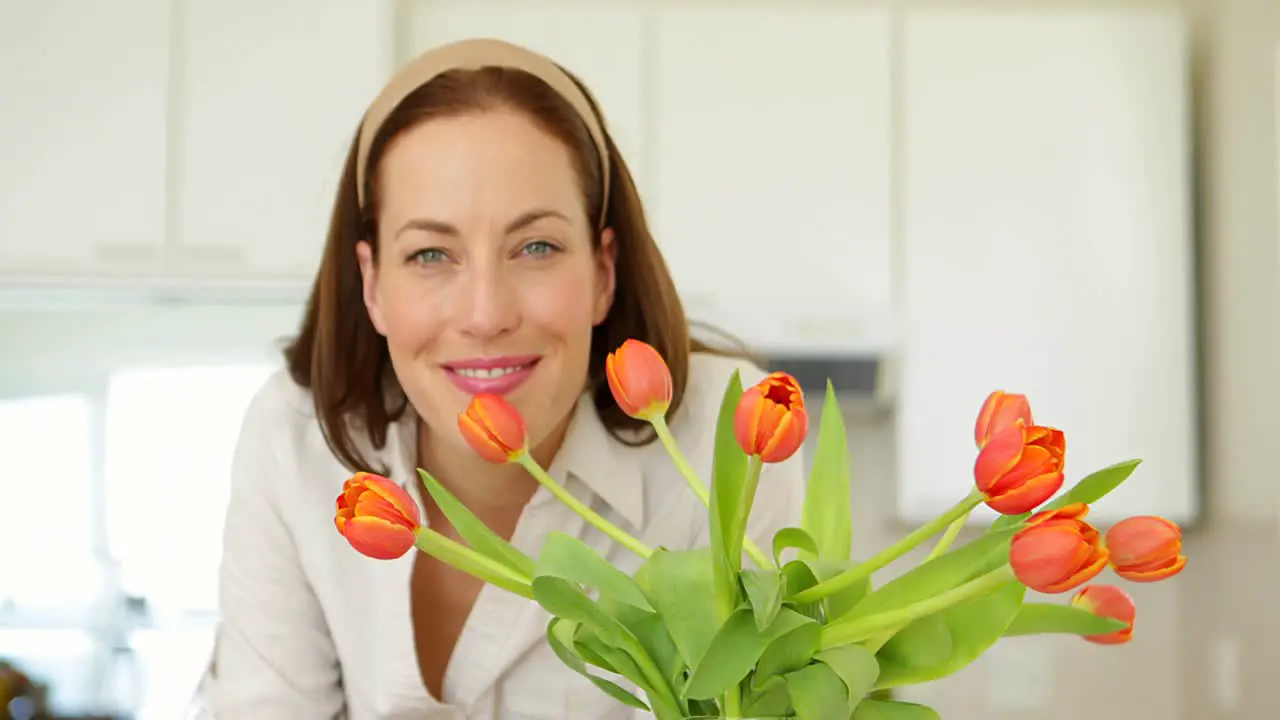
281,401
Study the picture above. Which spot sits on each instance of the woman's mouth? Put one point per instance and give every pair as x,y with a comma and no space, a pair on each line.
499,376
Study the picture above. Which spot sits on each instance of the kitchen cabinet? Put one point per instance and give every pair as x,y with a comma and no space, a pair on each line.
771,166
83,138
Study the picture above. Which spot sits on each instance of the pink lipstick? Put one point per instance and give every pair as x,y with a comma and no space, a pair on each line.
497,375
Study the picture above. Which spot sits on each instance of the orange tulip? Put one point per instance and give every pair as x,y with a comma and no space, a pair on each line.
771,420
639,379
1020,467
1108,601
376,516
1146,548
493,428
1057,550
1000,411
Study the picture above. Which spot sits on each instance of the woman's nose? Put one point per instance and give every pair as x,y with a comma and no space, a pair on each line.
491,307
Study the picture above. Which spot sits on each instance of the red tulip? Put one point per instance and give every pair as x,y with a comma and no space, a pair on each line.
1146,548
376,516
1000,411
771,420
639,379
1057,550
1108,601
493,428
1020,467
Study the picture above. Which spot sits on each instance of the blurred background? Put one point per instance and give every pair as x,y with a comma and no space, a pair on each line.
923,200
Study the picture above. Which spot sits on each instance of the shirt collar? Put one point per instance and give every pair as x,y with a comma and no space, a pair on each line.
590,455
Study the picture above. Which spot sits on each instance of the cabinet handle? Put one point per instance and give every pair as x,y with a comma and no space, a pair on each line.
124,253
223,256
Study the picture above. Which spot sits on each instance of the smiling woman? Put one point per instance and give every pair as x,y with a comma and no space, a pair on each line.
487,237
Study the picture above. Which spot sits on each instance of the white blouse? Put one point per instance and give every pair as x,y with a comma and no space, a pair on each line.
311,630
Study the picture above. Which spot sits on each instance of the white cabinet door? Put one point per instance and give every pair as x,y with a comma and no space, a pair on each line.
1047,248
268,99
82,137
601,43
771,169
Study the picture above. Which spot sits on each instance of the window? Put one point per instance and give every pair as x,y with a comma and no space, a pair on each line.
50,572
170,435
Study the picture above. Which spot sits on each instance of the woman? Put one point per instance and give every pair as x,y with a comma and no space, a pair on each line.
486,236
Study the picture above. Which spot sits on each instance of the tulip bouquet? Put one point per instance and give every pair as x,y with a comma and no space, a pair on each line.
800,631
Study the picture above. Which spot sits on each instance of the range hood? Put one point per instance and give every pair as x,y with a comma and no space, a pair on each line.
851,347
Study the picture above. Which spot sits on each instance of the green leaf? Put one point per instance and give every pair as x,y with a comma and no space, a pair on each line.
799,576
567,557
933,577
974,626
789,651
728,478
793,537
735,650
1092,488
1045,618
560,634
563,599
650,629
856,667
893,710
764,592
923,644
828,514
771,700
840,602
473,530
817,693
669,578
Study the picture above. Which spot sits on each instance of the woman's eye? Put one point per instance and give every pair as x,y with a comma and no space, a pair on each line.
428,256
539,247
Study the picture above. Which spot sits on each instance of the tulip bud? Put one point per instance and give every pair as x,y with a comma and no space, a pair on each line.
1056,550
1020,467
1001,410
1146,548
1108,601
493,428
376,516
771,420
639,379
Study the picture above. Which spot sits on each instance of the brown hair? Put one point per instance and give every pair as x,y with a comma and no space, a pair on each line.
344,361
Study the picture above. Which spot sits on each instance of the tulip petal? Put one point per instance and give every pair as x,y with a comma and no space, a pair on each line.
378,538
1033,461
787,437
1046,554
1088,570
376,506
500,422
481,441
1028,496
998,456
397,496
1111,602
746,421
1143,574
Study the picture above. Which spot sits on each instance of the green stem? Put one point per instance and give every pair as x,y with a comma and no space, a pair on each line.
460,556
739,529
878,641
591,516
862,570
857,629
732,702
696,485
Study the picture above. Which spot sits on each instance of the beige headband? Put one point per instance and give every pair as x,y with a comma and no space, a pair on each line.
473,55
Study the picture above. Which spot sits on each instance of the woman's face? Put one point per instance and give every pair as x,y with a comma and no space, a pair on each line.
487,279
